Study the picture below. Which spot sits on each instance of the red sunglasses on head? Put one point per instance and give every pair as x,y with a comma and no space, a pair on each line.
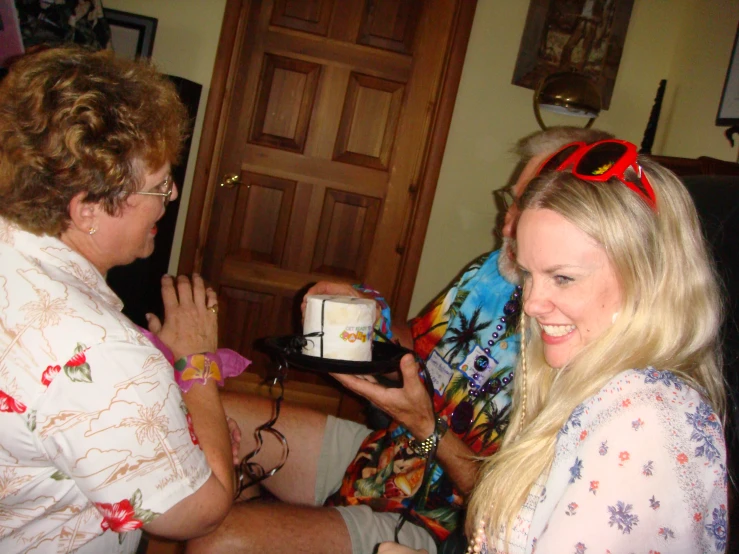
599,162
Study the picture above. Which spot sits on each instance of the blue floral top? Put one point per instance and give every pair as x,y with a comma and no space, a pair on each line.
639,467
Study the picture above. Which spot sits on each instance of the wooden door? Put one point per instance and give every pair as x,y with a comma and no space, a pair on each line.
331,132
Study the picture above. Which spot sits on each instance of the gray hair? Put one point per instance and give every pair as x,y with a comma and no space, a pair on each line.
552,139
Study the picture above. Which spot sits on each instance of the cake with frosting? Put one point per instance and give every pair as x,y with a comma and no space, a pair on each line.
339,327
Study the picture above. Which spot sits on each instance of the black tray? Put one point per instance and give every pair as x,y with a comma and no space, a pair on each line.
385,357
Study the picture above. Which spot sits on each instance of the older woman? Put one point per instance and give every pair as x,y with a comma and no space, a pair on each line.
616,442
97,439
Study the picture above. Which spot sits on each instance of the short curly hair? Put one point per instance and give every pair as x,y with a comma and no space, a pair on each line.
74,120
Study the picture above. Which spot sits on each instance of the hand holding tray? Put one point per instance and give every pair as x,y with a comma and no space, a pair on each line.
385,357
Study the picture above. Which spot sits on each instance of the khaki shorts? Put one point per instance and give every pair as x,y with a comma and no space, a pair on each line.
341,442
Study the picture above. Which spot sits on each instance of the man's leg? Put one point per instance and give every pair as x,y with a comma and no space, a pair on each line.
274,527
295,524
319,456
303,428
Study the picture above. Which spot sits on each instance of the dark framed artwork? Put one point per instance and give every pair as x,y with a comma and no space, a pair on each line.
586,36
11,44
131,35
728,108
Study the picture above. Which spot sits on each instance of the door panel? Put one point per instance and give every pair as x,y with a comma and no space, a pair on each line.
327,123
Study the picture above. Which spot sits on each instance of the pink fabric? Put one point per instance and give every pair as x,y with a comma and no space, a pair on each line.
231,363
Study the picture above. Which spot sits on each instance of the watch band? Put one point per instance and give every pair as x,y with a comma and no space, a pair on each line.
423,448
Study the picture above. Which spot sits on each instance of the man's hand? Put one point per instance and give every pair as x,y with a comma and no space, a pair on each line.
410,404
190,325
333,288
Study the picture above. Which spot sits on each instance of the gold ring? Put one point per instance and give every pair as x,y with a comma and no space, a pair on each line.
214,308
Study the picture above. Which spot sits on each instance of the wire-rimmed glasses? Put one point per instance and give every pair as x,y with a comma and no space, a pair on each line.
167,184
504,198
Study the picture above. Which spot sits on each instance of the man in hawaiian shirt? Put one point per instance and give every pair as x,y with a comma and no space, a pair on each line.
468,340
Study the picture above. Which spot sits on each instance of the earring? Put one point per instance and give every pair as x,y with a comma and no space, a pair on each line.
522,368
92,231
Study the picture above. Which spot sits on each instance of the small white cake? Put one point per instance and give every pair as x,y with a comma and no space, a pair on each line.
347,325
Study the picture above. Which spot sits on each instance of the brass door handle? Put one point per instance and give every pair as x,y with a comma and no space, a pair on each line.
230,180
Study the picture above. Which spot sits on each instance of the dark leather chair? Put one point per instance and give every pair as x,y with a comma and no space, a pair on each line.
717,199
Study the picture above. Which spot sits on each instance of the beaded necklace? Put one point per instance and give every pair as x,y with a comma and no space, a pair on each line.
461,417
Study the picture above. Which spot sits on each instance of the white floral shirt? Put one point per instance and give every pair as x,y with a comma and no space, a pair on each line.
95,440
639,467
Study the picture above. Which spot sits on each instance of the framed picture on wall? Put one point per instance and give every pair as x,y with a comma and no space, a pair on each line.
131,35
728,108
584,36
11,44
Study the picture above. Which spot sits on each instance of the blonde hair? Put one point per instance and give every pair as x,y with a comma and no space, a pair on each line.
670,319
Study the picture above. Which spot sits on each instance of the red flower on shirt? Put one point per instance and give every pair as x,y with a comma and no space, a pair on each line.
77,360
193,436
10,404
77,368
118,517
49,373
682,458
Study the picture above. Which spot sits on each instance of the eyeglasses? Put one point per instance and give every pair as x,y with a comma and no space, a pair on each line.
599,162
167,184
504,197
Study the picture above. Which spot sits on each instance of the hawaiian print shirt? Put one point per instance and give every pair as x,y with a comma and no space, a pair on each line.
467,337
639,467
95,440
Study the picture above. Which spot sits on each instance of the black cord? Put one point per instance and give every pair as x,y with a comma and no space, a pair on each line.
418,500
253,471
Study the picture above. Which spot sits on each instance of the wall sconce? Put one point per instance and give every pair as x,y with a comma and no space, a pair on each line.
567,93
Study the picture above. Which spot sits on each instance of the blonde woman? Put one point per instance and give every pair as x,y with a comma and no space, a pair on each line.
616,442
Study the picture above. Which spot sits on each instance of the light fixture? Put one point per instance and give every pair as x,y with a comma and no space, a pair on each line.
567,93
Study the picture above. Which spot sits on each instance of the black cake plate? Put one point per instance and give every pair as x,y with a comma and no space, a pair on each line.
385,357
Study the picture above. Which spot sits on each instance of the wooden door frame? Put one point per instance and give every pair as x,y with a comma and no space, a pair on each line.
205,179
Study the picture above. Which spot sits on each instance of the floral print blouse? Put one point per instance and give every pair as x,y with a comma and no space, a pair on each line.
639,467
95,439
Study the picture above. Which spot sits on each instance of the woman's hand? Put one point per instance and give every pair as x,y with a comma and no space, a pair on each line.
395,548
410,404
190,322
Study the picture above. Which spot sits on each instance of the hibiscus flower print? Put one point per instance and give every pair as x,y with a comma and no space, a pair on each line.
666,533
118,517
191,429
77,368
654,503
594,486
571,509
49,373
624,457
648,469
10,404
126,515
637,424
580,548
